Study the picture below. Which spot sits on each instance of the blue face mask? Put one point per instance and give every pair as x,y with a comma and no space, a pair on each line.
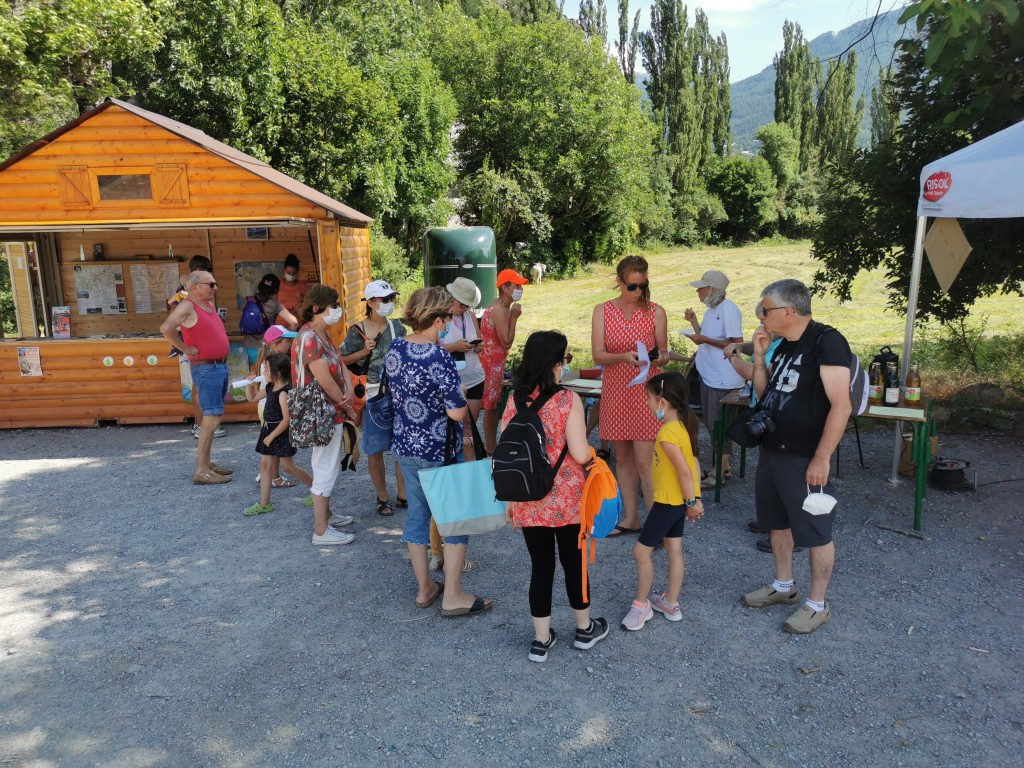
565,371
660,414
447,328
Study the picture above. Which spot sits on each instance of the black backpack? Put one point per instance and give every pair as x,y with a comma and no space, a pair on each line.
521,471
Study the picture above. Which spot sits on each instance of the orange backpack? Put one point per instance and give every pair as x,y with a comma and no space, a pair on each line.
599,510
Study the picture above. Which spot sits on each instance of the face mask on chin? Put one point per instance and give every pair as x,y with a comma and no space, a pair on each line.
517,294
333,315
385,309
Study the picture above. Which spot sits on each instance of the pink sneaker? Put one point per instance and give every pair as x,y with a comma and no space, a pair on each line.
639,614
669,610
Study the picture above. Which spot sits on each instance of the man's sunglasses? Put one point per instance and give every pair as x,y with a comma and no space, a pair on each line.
212,285
642,286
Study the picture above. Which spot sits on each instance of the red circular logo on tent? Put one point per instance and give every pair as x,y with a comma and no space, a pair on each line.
936,185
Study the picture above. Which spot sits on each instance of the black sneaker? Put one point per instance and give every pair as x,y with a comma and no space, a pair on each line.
753,527
539,650
587,638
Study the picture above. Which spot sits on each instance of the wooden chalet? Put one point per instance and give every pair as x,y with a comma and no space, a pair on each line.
99,220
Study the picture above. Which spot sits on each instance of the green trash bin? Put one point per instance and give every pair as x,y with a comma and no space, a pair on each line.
450,252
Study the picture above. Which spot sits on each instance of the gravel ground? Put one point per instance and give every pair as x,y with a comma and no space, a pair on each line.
146,622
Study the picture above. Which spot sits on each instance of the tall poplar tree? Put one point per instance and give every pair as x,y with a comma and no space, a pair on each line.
796,75
839,118
594,20
628,42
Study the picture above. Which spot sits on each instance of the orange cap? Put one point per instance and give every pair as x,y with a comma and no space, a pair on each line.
511,276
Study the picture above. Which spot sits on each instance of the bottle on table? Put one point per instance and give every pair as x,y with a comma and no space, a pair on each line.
876,384
892,385
912,387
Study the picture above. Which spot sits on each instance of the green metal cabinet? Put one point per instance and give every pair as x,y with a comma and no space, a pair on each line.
450,252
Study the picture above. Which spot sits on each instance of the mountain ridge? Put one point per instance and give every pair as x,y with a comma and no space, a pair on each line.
753,98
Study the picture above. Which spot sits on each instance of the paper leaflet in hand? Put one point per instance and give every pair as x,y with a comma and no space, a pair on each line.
645,364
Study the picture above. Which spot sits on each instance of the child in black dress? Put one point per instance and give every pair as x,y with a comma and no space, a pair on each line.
274,445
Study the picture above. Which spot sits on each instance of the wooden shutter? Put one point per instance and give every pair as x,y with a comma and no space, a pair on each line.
170,184
74,186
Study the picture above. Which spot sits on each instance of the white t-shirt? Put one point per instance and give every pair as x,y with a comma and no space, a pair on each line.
464,326
722,322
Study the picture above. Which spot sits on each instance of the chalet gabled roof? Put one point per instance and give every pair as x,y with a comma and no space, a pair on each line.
341,211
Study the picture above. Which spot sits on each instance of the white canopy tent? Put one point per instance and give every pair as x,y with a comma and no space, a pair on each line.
981,181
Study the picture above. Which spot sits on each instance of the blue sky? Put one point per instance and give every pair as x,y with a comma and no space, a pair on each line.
754,27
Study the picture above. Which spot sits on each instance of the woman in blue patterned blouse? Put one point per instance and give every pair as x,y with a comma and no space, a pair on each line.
426,392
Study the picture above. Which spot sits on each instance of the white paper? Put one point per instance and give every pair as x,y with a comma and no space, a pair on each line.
645,364
242,382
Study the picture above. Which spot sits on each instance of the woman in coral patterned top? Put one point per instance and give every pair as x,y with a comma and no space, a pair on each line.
616,327
554,521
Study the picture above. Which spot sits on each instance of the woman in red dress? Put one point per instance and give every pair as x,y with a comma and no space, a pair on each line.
616,327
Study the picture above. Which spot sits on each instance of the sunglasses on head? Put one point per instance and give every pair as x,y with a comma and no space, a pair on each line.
642,286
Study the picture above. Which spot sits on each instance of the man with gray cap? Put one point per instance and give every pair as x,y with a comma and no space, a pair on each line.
721,326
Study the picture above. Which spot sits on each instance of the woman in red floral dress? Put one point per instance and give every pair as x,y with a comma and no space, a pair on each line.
616,327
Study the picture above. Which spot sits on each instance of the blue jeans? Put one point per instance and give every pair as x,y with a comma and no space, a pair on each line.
417,517
212,380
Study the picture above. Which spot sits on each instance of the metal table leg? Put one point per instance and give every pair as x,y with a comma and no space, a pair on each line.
921,450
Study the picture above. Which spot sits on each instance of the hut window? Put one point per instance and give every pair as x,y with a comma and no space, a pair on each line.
125,186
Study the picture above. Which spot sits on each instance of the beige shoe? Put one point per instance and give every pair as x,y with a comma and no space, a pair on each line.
766,596
806,620
221,470
210,478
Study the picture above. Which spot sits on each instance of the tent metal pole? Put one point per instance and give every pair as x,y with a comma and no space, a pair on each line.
908,335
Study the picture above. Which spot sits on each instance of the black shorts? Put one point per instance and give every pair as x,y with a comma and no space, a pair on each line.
476,392
664,521
780,488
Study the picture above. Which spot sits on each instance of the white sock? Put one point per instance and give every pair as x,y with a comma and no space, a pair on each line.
782,586
815,606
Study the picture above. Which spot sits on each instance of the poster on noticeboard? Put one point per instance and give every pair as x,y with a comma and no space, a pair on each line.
60,321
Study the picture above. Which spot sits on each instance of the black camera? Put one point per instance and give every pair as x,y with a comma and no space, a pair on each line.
759,424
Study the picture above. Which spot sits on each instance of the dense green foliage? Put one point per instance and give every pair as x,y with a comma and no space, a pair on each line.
554,146
973,89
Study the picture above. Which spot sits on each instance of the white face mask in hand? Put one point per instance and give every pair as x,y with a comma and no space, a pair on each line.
333,315
820,503
385,309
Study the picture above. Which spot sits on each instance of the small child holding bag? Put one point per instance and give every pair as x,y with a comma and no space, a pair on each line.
274,445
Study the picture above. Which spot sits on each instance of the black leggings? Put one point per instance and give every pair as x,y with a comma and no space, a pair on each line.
540,543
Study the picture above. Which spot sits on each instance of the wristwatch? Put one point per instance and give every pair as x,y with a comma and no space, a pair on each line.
690,502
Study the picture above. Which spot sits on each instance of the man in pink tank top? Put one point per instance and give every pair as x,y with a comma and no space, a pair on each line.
205,342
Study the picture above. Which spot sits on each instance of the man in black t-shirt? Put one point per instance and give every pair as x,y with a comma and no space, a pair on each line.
806,392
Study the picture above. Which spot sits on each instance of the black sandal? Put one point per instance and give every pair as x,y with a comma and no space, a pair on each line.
384,508
401,503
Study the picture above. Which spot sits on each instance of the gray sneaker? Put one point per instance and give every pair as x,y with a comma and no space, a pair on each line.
765,596
332,536
216,433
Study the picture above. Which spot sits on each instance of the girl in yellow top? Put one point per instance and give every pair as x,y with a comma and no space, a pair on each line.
676,483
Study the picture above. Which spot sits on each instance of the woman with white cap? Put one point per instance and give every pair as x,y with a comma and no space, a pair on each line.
498,331
363,353
463,342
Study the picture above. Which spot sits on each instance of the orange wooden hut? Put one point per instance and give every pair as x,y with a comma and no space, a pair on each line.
99,220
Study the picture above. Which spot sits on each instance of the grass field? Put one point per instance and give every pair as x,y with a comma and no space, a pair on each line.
566,305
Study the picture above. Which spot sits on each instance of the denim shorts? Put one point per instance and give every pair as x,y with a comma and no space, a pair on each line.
417,517
212,380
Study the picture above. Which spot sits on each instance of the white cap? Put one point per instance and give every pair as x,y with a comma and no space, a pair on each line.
378,289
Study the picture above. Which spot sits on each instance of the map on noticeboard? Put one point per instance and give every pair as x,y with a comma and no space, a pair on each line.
153,285
248,275
99,289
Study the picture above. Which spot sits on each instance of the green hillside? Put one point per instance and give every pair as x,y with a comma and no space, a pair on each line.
753,99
